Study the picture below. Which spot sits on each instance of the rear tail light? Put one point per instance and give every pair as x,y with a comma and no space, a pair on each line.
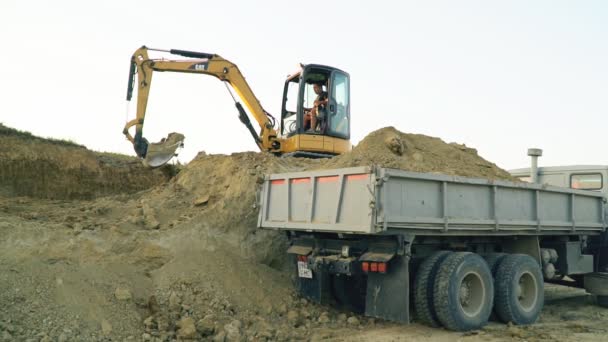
302,258
379,267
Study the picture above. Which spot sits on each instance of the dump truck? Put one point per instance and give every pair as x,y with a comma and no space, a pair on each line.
450,250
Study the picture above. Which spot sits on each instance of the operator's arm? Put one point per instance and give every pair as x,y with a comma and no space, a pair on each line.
322,100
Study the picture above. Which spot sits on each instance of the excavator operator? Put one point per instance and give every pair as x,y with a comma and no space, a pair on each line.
313,116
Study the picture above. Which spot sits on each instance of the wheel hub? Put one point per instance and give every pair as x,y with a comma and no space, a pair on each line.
465,293
471,294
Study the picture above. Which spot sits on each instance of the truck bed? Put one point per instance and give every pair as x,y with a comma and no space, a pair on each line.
374,200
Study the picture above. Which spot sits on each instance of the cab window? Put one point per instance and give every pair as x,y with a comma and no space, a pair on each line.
588,181
291,107
339,122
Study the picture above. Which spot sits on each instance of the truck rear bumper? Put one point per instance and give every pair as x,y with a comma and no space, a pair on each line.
385,272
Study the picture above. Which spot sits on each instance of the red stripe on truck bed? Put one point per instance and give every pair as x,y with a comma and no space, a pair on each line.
300,180
277,182
328,179
360,176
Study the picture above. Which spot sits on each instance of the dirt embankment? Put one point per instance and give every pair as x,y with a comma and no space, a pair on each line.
56,169
182,259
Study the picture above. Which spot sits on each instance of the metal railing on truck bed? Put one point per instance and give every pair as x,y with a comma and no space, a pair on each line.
373,200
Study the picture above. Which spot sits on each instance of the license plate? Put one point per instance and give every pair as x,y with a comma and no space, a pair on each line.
303,270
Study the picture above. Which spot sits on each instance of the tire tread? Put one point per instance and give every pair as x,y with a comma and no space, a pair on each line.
504,305
423,288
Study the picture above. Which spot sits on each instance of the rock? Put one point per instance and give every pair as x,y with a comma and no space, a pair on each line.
149,218
146,337
220,337
234,331
352,320
77,228
515,332
106,327
174,301
187,329
201,200
569,316
63,337
342,317
6,336
266,308
395,144
263,331
162,323
7,326
282,309
153,305
149,323
206,326
305,313
324,318
293,317
122,293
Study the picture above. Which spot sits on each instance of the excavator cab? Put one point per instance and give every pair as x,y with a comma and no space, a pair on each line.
333,119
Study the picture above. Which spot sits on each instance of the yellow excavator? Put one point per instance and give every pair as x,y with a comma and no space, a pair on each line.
292,136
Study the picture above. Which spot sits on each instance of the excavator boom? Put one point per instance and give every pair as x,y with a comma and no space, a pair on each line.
157,154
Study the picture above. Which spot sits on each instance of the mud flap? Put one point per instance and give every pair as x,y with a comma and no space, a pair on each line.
388,294
316,289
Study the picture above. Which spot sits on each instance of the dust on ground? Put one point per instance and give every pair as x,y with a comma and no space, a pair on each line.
182,260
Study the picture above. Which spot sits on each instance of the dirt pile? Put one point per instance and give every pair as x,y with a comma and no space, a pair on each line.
57,169
391,148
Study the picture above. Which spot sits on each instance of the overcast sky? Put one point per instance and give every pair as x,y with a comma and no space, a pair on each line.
499,76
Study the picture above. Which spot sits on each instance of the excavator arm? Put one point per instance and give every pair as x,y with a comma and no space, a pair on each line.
157,154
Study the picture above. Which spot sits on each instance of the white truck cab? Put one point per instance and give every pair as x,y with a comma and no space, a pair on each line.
582,177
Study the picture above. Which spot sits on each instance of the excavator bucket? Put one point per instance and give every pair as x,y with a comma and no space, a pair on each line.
160,153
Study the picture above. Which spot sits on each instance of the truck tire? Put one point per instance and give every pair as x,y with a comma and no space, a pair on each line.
463,292
602,301
423,288
493,259
519,296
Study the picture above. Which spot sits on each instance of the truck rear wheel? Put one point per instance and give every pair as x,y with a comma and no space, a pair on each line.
463,292
493,259
519,285
423,288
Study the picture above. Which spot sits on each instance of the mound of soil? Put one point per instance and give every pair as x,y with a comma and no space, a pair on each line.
56,169
391,148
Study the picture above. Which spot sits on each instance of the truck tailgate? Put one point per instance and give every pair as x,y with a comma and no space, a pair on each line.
339,200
